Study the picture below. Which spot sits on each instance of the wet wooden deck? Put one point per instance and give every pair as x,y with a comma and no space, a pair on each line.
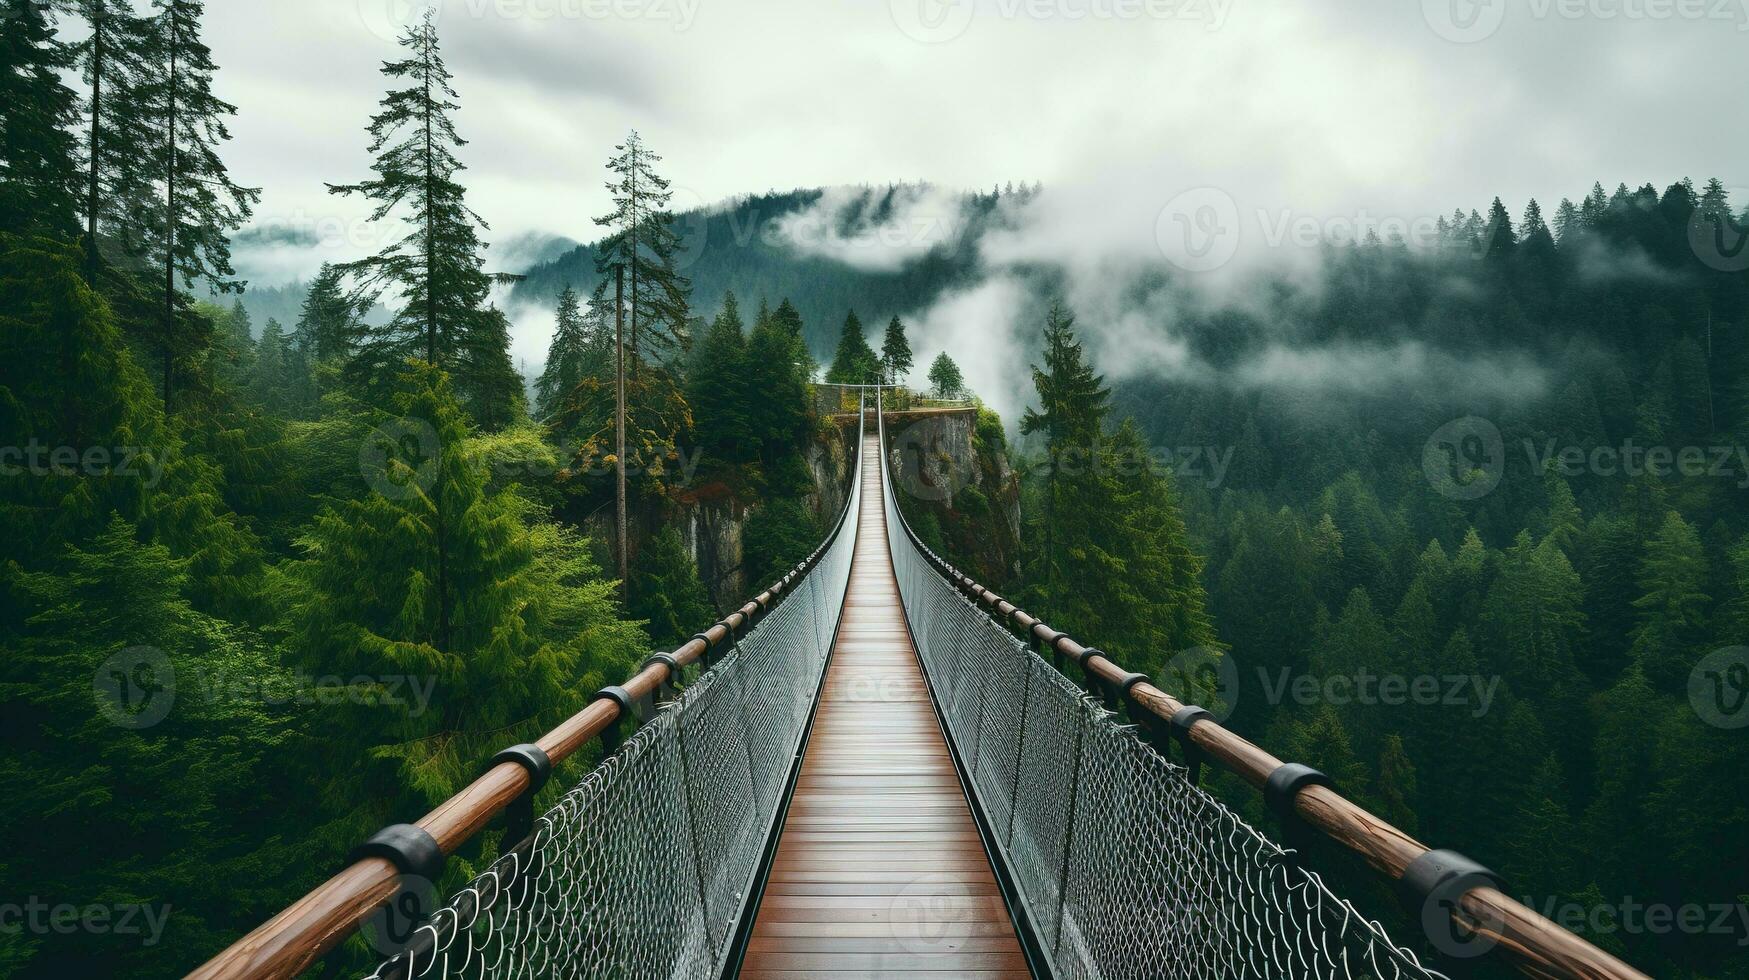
879,872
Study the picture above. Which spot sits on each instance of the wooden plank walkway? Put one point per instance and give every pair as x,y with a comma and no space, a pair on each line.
879,872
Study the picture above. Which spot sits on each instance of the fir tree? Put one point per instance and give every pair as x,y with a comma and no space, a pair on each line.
719,396
117,191
505,618
855,362
642,240
944,377
200,202
38,177
896,354
666,591
565,356
435,270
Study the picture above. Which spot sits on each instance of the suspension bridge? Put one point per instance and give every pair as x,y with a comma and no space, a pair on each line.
879,768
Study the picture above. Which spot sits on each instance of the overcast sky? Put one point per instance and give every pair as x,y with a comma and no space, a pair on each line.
1397,107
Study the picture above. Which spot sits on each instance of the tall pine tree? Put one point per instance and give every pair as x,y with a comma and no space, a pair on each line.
200,203
641,239
435,271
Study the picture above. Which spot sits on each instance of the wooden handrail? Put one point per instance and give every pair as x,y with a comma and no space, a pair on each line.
1535,945
308,929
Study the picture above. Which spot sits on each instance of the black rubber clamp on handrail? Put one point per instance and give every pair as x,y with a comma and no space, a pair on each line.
706,640
610,736
1118,692
1181,722
1433,884
519,815
1284,785
666,660
410,848
1088,677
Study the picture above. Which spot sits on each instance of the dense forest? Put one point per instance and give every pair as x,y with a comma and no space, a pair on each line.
265,587
317,562
1565,560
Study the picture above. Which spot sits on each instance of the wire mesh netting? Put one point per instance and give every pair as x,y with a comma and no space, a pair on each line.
1126,869
641,870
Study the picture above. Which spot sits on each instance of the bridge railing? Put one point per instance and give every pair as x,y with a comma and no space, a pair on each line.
1127,868
640,870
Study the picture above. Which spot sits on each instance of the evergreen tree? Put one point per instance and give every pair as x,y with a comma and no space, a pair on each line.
720,397
504,618
855,362
435,270
945,377
642,240
117,191
565,356
38,177
201,203
896,354
1672,604
273,385
667,593
777,370
1073,404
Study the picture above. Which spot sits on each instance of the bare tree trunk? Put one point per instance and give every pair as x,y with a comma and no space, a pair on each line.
619,423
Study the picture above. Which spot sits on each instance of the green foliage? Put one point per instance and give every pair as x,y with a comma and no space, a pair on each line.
855,362
945,378
777,537
502,617
666,591
436,268
896,354
641,240
38,180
